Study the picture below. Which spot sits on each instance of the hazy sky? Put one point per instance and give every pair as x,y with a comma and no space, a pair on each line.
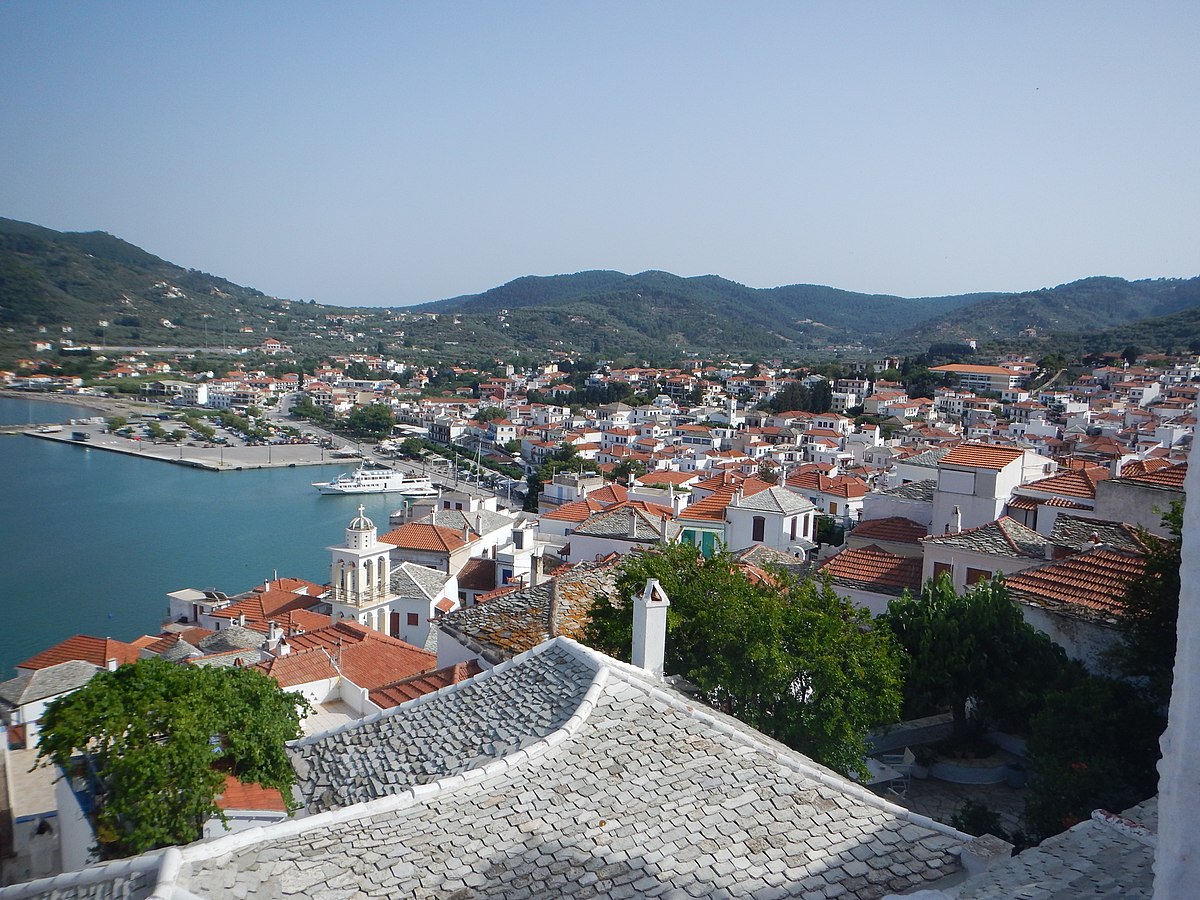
393,153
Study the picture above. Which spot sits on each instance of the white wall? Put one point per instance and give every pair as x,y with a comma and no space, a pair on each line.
1083,640
76,837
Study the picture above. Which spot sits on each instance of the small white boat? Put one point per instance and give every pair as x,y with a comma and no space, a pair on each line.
374,478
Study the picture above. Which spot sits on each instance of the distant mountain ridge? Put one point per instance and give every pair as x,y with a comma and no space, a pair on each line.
92,286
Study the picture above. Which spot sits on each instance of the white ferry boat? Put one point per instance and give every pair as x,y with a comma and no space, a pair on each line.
374,478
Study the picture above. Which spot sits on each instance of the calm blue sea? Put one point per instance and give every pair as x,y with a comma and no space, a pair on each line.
92,541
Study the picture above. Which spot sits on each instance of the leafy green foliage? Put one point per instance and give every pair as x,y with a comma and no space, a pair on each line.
1094,745
157,736
372,420
974,645
1146,652
792,660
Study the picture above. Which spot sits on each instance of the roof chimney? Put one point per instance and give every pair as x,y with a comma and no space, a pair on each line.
111,664
650,628
956,521
632,522
535,569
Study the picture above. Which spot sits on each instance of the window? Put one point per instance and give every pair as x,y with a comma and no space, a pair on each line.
414,619
940,568
793,537
974,576
833,507
758,529
806,526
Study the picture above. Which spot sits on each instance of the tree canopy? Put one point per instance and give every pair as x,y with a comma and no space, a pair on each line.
374,419
791,659
159,738
974,645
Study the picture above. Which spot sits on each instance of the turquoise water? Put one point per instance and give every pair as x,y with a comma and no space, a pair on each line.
92,541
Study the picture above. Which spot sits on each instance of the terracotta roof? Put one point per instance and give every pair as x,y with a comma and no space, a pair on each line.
95,650
477,574
295,585
662,476
242,795
299,667
711,508
974,370
575,511
426,683
418,536
1092,583
1169,477
838,486
873,569
610,493
266,607
366,657
981,456
896,529
1072,483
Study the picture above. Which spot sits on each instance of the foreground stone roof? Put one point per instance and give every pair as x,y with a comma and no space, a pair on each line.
1106,856
621,788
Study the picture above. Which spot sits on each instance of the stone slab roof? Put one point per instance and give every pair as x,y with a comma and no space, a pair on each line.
1081,533
1107,856
927,458
636,791
412,580
520,620
1004,537
914,490
235,637
48,682
776,500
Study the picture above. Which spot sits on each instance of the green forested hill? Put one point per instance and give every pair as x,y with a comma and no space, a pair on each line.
94,288
1083,307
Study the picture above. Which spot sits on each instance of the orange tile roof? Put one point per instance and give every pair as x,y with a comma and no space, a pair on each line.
426,683
1072,483
974,370
1092,584
1170,477
295,585
981,456
575,511
872,569
299,667
249,795
610,493
897,529
421,536
366,657
711,508
95,650
838,486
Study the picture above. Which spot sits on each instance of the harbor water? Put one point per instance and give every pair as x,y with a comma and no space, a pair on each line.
92,541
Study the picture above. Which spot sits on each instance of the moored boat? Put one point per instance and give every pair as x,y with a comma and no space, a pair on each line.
374,478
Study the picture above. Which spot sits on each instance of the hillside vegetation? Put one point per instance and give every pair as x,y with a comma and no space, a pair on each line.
94,288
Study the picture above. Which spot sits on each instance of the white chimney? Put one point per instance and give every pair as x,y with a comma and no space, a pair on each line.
650,628
111,664
956,521
535,569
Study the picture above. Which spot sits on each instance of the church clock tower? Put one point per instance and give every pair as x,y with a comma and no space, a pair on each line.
360,575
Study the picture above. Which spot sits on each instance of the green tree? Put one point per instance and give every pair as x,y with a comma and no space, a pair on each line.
1146,652
964,646
1094,745
374,420
628,468
115,422
157,736
359,371
791,659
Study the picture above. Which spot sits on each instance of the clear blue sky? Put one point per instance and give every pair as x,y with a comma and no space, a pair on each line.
393,153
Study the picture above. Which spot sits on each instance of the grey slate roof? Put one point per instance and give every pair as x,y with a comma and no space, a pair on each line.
617,523
765,557
456,519
235,637
412,580
1077,531
928,459
48,682
1004,537
638,792
1101,857
776,500
914,490
125,879
180,650
428,741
